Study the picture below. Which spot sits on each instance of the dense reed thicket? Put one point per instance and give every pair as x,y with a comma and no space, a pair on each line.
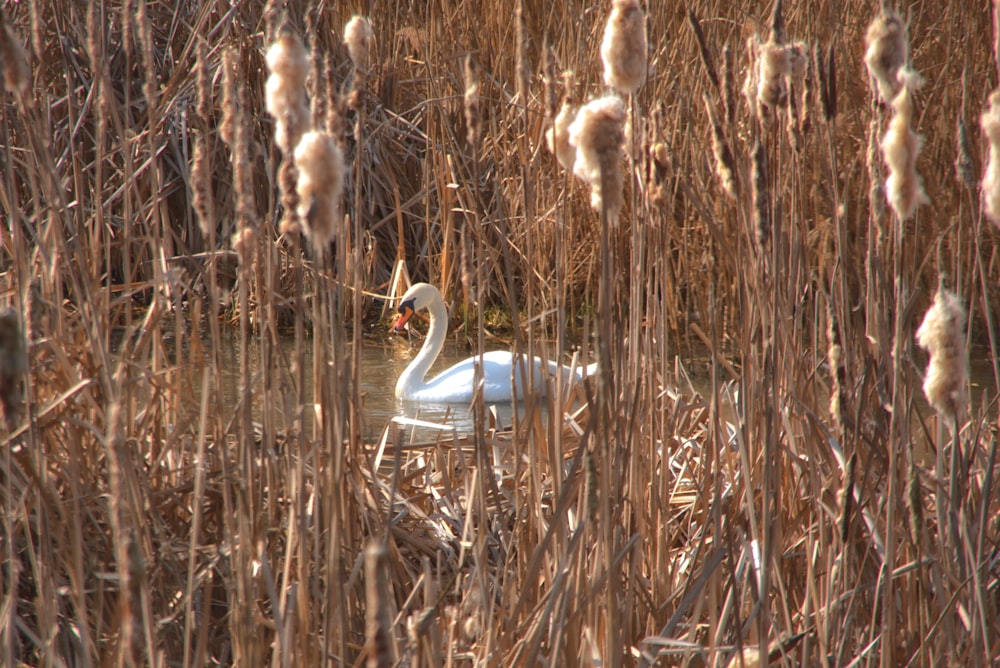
803,190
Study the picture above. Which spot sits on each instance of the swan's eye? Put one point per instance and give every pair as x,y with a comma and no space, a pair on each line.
405,306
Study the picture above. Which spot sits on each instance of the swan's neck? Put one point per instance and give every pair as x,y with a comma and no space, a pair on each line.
412,379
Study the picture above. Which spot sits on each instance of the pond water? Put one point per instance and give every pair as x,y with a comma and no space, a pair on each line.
382,360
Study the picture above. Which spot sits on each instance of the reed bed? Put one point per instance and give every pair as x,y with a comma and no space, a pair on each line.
804,194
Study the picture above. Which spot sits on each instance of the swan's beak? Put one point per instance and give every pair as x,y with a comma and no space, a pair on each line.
405,313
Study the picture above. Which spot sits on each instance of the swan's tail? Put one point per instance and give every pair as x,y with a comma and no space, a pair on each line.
589,370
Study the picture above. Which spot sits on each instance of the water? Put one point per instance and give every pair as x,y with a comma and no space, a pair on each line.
382,360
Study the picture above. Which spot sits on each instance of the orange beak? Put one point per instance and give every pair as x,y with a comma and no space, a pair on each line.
405,313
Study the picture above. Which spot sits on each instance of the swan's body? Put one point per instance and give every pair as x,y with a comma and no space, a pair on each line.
456,384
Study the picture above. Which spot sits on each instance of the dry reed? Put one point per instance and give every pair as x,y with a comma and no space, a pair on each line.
159,507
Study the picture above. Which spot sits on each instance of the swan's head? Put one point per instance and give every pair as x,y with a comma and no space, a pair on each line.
419,296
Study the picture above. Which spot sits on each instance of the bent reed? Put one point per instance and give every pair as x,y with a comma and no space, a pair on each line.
767,192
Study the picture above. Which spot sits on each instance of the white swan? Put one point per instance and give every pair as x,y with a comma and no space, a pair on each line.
455,384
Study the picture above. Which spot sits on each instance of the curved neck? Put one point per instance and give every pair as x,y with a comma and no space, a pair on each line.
412,378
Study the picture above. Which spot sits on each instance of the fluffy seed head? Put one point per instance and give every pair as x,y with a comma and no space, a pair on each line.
598,133
904,187
286,89
623,49
358,35
775,63
321,179
942,335
557,136
990,123
888,50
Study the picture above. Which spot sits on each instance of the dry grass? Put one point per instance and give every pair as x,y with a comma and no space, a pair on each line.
811,503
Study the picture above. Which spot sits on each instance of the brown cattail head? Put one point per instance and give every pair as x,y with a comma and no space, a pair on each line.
473,119
16,75
728,84
201,187
725,164
598,133
358,35
623,49
521,66
888,51
657,184
380,644
761,201
942,335
13,364
838,371
703,50
904,187
964,170
286,89
990,123
826,80
550,80
321,180
778,35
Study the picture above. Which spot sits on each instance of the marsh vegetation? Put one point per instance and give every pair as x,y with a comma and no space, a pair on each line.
805,191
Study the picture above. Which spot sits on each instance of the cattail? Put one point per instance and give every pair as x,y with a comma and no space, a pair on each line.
876,192
201,187
942,335
826,75
286,89
888,51
13,364
380,646
598,134
847,497
703,50
473,120
808,92
725,164
549,80
838,371
358,35
623,49
201,165
761,202
775,64
147,47
321,179
233,130
904,188
557,137
990,123
964,171
243,243
16,74
521,66
914,502
657,186
751,82
728,84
